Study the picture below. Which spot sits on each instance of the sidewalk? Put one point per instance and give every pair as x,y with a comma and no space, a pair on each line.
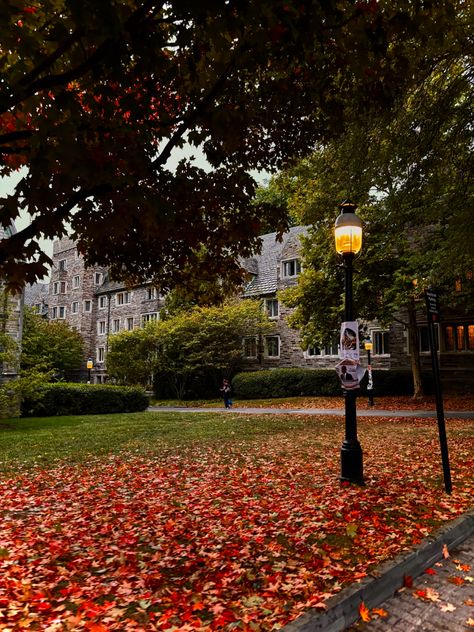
361,412
401,596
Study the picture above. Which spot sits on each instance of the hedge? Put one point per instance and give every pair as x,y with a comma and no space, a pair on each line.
314,382
84,399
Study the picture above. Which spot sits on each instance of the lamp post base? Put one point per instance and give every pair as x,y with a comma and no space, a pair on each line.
351,463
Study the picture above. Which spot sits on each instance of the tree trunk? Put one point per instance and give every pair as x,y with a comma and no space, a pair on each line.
414,351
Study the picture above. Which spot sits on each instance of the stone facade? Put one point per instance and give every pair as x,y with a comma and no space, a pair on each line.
95,306
11,320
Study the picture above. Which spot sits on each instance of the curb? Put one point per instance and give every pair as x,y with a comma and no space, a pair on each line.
343,609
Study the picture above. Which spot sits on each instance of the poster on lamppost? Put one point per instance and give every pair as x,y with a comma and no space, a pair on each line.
350,373
349,341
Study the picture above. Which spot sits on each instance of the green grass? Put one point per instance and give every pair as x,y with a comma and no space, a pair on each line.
45,440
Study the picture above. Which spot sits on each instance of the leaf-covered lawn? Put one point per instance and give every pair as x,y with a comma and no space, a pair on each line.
245,526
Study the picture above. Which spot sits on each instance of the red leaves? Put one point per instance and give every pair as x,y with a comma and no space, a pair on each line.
245,533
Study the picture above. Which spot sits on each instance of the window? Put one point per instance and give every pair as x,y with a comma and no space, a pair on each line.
62,264
291,268
102,302
59,287
76,281
115,325
381,342
100,354
122,298
54,313
61,312
150,293
272,346
250,347
87,306
331,349
129,324
75,307
101,327
149,318
424,339
271,306
97,278
459,337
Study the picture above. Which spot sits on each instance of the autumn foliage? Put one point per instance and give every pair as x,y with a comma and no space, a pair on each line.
207,536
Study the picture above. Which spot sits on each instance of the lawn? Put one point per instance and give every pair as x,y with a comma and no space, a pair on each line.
174,521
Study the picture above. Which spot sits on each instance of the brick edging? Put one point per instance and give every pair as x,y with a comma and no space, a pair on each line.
343,609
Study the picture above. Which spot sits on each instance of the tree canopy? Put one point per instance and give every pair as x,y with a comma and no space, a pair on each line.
96,96
50,345
410,173
199,343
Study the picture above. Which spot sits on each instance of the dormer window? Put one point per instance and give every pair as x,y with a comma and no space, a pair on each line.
290,268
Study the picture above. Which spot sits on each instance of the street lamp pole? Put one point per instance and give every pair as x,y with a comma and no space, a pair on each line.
370,384
348,235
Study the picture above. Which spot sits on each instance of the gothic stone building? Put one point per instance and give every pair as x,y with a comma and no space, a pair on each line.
11,318
98,307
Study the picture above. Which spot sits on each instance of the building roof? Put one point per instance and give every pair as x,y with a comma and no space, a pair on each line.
264,266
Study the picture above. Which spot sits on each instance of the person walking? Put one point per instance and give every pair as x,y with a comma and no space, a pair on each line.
226,392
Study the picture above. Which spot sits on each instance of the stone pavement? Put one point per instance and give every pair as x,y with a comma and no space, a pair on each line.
413,600
434,602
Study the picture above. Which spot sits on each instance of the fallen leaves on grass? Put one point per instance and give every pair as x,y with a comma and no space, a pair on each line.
212,537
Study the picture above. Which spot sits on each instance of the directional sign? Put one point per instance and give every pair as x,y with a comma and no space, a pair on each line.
432,305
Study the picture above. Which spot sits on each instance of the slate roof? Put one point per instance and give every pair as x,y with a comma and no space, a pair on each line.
264,266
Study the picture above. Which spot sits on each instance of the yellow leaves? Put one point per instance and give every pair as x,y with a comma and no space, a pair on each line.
447,607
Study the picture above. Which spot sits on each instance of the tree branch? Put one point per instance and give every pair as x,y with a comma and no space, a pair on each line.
61,213
11,137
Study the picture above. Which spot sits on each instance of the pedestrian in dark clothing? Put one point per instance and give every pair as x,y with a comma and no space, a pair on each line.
226,390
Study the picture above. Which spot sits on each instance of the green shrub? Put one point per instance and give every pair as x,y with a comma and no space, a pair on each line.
318,382
285,383
84,399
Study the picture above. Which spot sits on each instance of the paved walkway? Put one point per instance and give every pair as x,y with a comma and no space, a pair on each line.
440,600
361,412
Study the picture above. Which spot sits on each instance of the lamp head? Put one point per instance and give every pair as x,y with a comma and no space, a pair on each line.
348,230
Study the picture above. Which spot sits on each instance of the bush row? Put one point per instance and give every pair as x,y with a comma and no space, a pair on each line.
314,382
84,399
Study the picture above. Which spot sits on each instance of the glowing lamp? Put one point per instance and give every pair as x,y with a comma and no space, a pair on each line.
348,230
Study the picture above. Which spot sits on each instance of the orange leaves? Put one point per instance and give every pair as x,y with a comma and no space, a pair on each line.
366,614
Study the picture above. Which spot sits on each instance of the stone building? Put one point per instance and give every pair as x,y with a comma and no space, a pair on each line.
11,319
97,307
94,305
276,268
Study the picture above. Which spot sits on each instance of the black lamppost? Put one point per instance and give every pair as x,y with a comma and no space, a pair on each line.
348,235
89,365
370,384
